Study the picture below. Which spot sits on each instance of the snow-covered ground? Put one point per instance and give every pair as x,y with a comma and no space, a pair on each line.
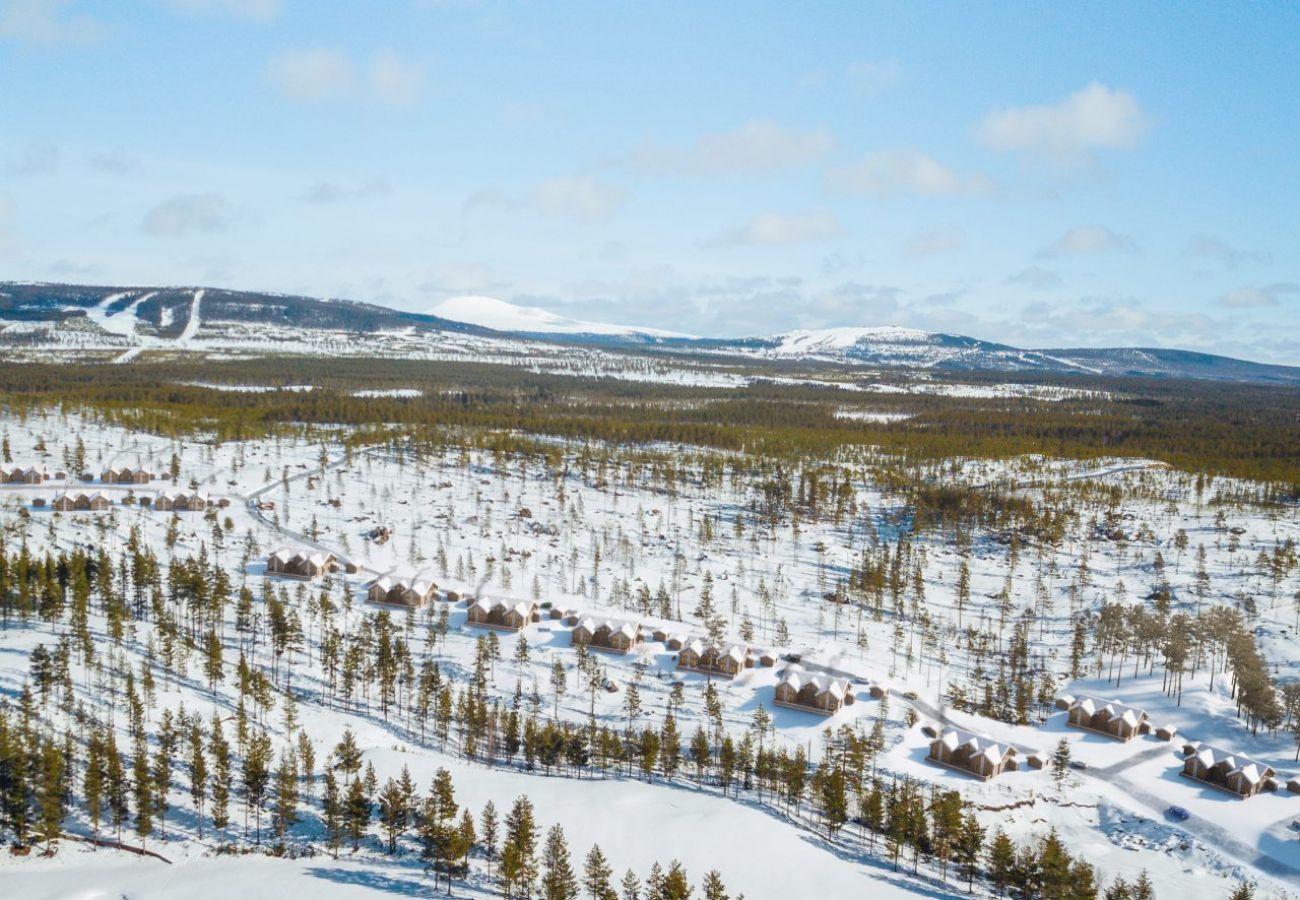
587,535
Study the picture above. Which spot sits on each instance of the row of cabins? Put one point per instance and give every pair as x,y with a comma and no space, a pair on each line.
19,475
607,634
409,592
300,564
708,658
179,501
126,475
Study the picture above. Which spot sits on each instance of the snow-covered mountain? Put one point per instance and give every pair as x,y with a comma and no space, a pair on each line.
489,312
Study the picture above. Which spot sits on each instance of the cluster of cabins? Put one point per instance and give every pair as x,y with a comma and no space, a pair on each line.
504,615
983,757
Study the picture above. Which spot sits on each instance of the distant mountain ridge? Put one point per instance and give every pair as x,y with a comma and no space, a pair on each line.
86,319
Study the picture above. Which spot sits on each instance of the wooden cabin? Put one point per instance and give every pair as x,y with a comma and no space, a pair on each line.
127,475
607,634
19,475
502,614
823,694
82,502
1227,771
179,501
413,592
300,564
971,754
1108,717
708,658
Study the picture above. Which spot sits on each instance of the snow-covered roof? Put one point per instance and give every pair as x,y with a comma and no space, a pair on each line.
797,678
992,750
1115,709
1236,764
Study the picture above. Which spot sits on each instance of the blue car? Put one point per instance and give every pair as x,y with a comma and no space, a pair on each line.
1177,812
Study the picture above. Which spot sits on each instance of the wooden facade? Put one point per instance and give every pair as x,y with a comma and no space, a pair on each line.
82,502
19,475
179,501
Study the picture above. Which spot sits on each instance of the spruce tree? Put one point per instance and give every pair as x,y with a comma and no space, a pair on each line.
558,880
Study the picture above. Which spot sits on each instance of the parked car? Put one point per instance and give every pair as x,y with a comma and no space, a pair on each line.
792,657
910,695
1078,764
1177,812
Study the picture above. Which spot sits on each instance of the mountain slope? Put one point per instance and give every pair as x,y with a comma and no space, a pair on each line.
42,321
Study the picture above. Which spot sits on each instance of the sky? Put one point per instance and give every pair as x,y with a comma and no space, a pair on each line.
1040,174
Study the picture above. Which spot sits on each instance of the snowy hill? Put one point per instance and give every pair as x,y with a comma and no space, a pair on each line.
499,315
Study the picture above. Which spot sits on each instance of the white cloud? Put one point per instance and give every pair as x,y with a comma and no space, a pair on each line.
257,10
321,74
905,172
579,197
1204,246
1254,297
46,22
394,80
314,75
870,77
324,192
1036,278
187,214
758,147
768,229
940,240
37,158
1090,239
1068,132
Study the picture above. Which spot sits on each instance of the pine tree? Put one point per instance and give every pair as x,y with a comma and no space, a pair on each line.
631,885
356,812
713,887
285,812
50,795
92,785
1061,763
519,850
332,812
488,826
220,750
558,880
393,813
597,874
675,884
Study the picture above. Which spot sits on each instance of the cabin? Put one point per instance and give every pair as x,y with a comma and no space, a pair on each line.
502,614
300,564
1227,771
179,501
127,475
19,475
412,593
823,694
971,754
82,502
707,658
606,634
1108,717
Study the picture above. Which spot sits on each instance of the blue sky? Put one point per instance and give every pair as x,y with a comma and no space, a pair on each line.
1040,174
